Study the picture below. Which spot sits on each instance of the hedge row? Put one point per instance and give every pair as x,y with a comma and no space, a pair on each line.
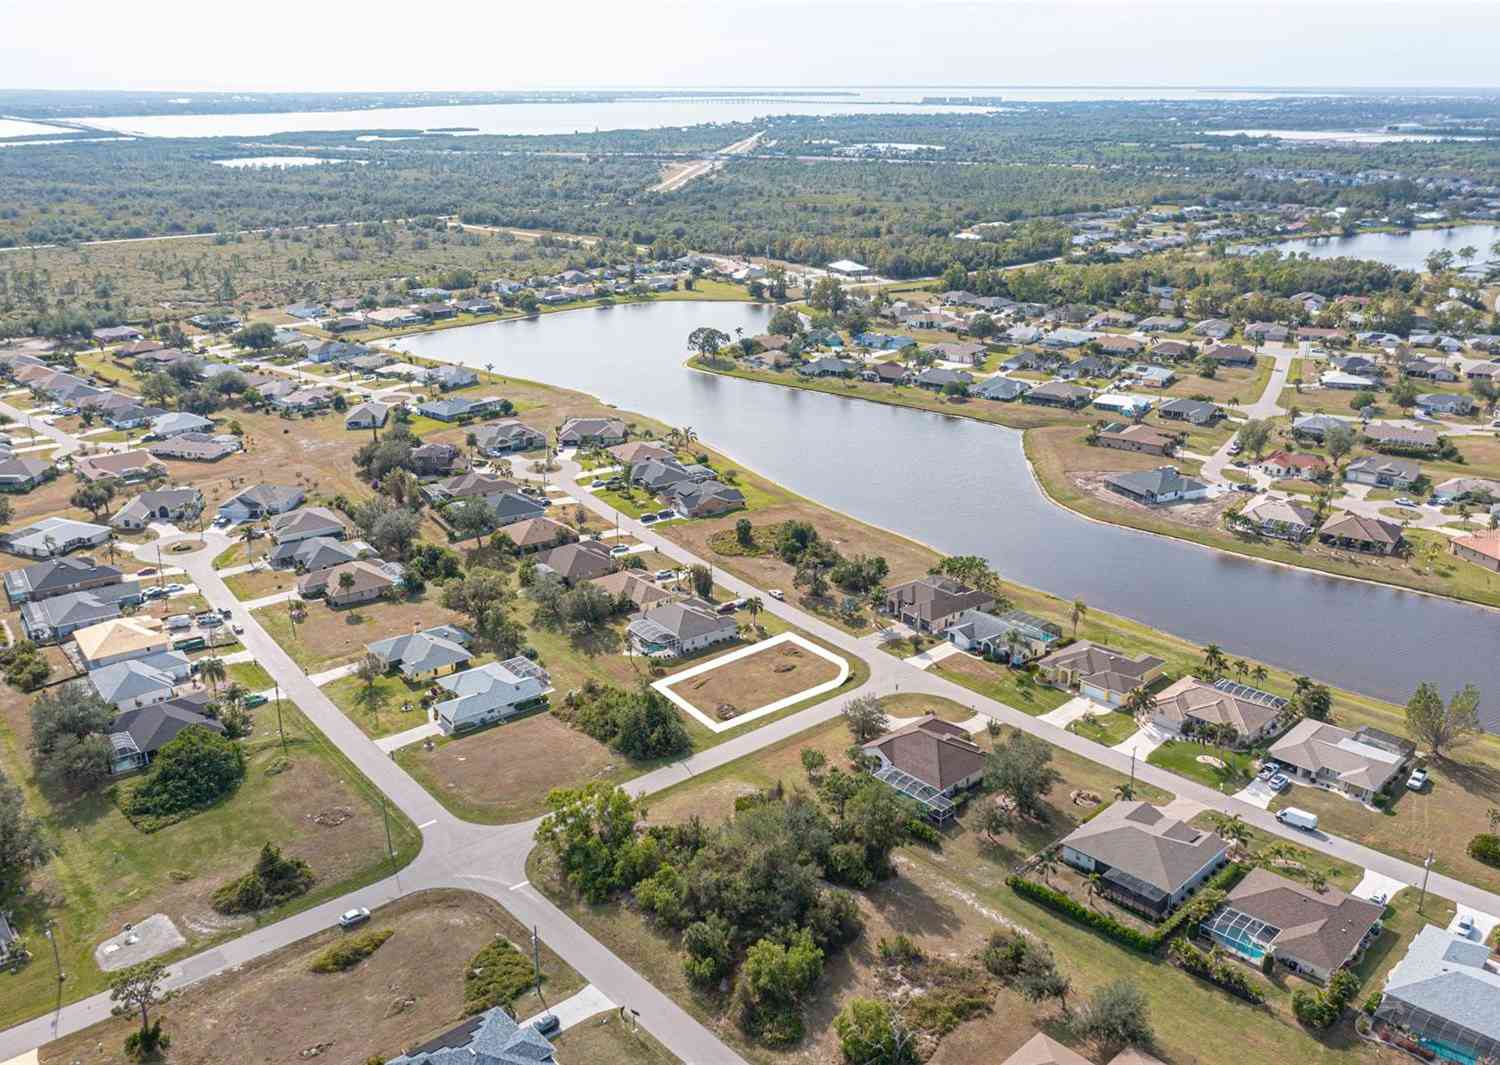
1485,848
1146,943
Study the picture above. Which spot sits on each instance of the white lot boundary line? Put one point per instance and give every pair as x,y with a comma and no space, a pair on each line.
665,684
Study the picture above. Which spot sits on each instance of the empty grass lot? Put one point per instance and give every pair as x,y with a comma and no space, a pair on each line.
1217,767
330,636
757,680
388,706
1107,729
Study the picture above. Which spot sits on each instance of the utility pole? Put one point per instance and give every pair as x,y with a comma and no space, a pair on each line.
56,958
385,812
1426,872
279,726
1132,772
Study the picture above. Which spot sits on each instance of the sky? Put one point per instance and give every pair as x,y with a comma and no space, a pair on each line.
336,45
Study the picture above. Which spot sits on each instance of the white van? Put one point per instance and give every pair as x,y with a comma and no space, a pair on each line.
1298,819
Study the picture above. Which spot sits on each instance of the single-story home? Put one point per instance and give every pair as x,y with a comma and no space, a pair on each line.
58,576
20,473
315,553
1141,438
1294,464
159,505
928,759
1099,673
1004,389
138,682
371,415
1451,403
1361,533
1285,519
576,562
1381,436
1193,411
1186,705
127,466
511,507
50,620
1314,933
492,692
1480,548
121,639
1315,426
991,634
197,447
680,627
1146,860
536,534
1058,394
420,655
180,421
508,437
1445,992
53,536
591,432
627,584
704,499
491,1038
1458,489
261,501
1361,763
137,734
1157,487
368,581
1383,471
306,523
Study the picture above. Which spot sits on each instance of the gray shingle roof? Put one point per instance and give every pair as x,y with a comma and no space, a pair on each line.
1137,838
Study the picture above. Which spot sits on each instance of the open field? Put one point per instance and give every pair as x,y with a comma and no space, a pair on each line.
310,801
757,680
407,992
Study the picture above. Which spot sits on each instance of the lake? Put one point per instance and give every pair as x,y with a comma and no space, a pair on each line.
542,119
965,488
1405,251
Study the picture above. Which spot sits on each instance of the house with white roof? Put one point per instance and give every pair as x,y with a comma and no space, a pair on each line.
1446,993
492,692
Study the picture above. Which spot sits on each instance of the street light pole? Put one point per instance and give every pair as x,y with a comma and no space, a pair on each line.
1426,872
385,812
56,958
279,726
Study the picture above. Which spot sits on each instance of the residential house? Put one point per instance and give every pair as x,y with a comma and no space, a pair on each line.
1230,355
1114,344
887,373
54,536
315,553
1429,369
1145,859
1189,707
492,692
828,366
967,354
370,581
54,619
197,447
491,1038
450,377
180,421
21,473
434,460
1316,426
1314,933
1174,350
121,639
127,466
159,505
1192,411
1358,532
933,603
1067,338
629,585
1326,336
680,627
1484,371
261,501
1481,548
509,508
1141,438
1157,487
1294,464
1453,404
1360,763
58,576
1458,489
1216,328
371,415
1357,364
1058,394
591,432
1154,376
1003,389
470,485
576,562
1383,471
508,437
426,654
306,523
657,475
536,534
136,735
304,400
929,760
1399,437
1284,519
1099,673
1086,366
1445,992
938,379
1264,331
138,682
114,334
1158,323
1014,634
704,499
131,416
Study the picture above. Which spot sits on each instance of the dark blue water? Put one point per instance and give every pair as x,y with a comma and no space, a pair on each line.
965,488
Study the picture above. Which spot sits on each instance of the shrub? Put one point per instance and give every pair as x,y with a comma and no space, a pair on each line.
641,725
772,981
497,976
273,881
898,951
1485,848
197,769
1322,1009
1117,1015
347,953
1225,974
868,1035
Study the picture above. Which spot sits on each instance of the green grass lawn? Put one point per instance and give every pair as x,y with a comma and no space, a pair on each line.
1012,687
381,713
1108,729
251,676
107,872
639,503
1183,758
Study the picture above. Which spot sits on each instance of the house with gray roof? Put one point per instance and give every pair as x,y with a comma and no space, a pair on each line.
991,634
1316,425
582,561
591,432
137,734
935,753
1003,389
1451,403
261,501
1189,707
1360,763
306,523
315,553
20,473
1314,933
938,379
180,421
1163,485
420,655
1446,992
1383,471
449,377
932,603
1099,673
680,627
159,505
702,499
491,1038
197,447
1360,532
1146,860
139,682
508,437
1285,519
369,415
51,620
492,692
1058,394
1193,411
511,507
58,576
54,536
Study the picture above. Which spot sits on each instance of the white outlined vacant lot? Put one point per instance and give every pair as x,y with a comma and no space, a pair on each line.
666,684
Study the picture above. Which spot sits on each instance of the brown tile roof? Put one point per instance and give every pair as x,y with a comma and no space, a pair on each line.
536,532
1189,698
1139,839
1360,527
641,591
116,464
935,751
1042,1049
1322,928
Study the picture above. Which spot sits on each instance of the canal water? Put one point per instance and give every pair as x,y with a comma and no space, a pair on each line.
965,488
1405,251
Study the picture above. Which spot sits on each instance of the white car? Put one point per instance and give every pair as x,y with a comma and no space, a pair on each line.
172,589
350,918
1380,898
1466,925
1417,781
618,552
777,594
1404,502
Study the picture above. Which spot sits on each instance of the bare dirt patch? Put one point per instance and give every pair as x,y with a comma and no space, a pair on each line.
756,680
1208,514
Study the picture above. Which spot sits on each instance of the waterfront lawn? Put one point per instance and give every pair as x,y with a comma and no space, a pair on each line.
311,802
420,968
1216,767
1453,809
1107,729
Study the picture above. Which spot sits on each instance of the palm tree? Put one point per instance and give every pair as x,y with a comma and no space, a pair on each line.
754,605
1080,611
1259,674
213,671
1232,829
1095,886
1013,641
1045,864
346,582
1138,701
1214,662
250,533
1241,668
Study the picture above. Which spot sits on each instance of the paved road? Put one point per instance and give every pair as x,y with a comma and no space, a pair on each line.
492,859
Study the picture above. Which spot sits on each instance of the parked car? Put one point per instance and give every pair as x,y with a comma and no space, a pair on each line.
665,515
1380,898
210,621
1298,819
1466,925
1402,501
1278,783
239,630
224,612
1241,486
145,571
547,1023
777,594
154,593
1417,781
172,589
350,918
617,552
648,519
664,574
